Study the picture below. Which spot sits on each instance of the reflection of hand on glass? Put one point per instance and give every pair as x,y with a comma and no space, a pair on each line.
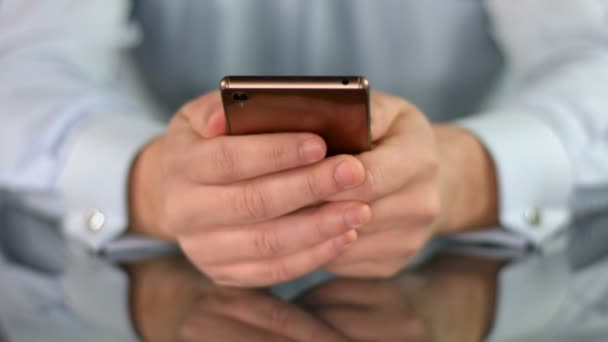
172,301
457,301
452,299
366,310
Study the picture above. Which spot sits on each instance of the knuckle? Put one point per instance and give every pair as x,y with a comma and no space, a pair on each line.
278,272
252,202
265,243
313,186
429,209
373,180
277,156
430,167
224,160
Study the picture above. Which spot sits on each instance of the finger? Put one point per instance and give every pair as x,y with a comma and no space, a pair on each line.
401,244
401,158
270,196
205,114
209,327
374,325
282,236
273,315
228,159
275,271
385,109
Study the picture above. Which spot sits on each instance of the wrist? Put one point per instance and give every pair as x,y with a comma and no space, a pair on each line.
143,192
468,181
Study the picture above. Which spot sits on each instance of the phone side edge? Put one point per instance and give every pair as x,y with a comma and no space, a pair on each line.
364,86
225,85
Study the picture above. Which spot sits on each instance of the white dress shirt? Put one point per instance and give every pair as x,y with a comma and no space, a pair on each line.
70,128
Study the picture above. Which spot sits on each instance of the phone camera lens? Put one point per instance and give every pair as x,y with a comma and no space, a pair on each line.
240,97
345,81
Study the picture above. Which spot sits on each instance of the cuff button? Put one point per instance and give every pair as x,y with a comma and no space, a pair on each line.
533,216
95,220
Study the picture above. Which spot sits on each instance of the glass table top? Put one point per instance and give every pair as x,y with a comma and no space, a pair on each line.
560,294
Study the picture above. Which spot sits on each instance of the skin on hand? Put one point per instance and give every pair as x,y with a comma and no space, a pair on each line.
241,207
172,301
421,180
245,209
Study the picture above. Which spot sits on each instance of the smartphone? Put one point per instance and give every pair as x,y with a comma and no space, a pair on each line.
336,108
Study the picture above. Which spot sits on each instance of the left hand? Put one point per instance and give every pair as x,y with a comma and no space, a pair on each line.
417,177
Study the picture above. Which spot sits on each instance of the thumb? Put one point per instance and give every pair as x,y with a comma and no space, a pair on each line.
205,114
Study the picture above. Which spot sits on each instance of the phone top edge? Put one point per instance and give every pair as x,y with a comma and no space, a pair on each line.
294,82
363,83
225,83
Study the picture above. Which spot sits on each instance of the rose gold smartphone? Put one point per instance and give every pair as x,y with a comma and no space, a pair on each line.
336,108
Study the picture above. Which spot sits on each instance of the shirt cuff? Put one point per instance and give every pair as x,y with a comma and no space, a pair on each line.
533,169
93,182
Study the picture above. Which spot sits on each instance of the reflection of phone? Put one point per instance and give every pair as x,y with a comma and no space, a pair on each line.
336,108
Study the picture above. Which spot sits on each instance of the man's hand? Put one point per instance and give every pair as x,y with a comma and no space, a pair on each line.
234,203
421,180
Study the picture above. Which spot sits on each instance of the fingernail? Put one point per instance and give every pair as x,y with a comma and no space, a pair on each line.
346,175
311,150
346,239
355,218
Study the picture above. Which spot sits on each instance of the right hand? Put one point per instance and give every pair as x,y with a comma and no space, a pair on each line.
244,209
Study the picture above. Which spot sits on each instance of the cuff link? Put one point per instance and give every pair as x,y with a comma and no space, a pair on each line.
95,220
533,216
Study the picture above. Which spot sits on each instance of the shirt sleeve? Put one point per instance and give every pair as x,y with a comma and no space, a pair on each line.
548,132
68,132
